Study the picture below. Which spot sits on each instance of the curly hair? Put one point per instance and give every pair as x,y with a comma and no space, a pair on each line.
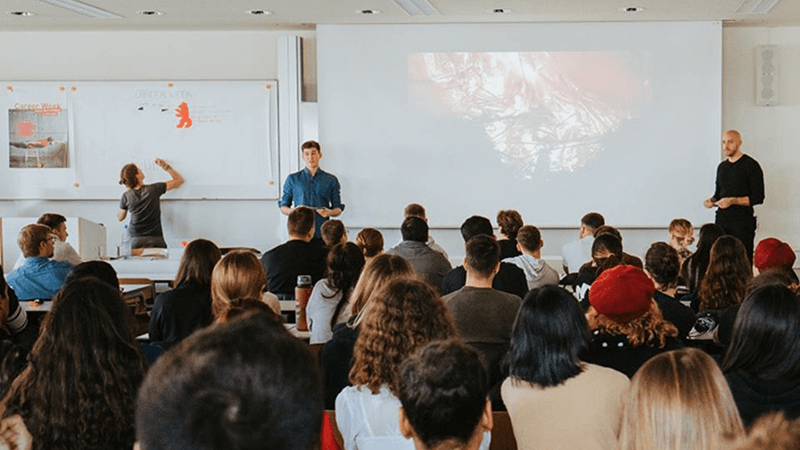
377,274
662,263
405,315
650,329
725,281
79,387
345,262
509,221
239,274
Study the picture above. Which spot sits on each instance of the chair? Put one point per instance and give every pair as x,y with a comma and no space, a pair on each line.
140,294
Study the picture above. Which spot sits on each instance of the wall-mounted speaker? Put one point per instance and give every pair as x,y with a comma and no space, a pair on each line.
767,75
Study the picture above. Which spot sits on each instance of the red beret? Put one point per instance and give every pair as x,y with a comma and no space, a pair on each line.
622,294
771,252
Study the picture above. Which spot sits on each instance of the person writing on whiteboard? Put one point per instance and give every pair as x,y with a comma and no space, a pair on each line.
739,187
312,187
142,200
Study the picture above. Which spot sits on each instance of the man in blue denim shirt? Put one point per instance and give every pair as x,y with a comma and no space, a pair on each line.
312,187
39,277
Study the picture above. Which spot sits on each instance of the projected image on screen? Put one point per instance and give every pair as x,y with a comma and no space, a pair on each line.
540,110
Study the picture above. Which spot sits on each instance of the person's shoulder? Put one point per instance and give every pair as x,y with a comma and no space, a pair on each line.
58,265
326,174
610,376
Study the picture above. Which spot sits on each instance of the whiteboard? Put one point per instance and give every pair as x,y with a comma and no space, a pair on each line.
69,140
552,119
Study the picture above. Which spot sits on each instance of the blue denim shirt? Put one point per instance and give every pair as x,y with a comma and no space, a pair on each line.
320,191
39,277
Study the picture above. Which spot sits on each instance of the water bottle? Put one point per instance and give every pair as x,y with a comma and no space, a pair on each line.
301,295
125,241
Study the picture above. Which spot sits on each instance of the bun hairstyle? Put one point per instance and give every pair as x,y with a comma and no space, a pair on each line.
662,263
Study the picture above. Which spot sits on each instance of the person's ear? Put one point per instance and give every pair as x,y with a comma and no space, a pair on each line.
496,268
541,243
405,426
487,421
519,247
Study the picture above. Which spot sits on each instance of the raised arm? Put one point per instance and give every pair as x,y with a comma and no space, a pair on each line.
176,180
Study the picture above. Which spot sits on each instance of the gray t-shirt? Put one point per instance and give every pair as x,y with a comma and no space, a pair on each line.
144,206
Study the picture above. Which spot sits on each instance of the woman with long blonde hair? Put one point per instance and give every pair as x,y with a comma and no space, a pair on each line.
239,275
337,353
678,400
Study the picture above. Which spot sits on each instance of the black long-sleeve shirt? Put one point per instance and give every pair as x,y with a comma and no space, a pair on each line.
742,178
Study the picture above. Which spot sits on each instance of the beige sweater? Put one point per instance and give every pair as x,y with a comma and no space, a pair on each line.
581,413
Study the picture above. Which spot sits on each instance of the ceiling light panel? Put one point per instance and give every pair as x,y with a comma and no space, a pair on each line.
417,7
82,9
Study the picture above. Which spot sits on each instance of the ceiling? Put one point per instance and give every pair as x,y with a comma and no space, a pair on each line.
306,14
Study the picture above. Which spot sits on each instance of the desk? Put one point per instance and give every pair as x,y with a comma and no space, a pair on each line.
156,269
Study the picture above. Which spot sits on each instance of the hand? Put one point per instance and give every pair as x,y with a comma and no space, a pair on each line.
725,203
709,202
163,164
324,212
14,435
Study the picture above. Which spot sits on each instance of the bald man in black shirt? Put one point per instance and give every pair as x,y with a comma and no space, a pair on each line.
739,187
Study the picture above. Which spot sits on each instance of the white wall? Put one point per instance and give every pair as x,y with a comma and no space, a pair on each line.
769,132
131,55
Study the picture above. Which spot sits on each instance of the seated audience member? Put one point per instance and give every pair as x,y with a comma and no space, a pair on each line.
627,259
337,354
239,275
101,270
627,326
104,272
298,256
428,264
579,252
370,241
679,401
39,277
245,384
681,236
694,267
537,271
762,363
79,387
186,308
333,232
417,210
12,356
724,284
62,251
661,264
15,319
606,254
550,392
509,278
443,388
328,303
780,276
404,316
483,315
242,306
769,432
509,222
771,253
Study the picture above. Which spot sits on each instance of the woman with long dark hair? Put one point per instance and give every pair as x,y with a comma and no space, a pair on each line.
78,390
180,312
762,364
550,387
694,267
725,281
328,303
